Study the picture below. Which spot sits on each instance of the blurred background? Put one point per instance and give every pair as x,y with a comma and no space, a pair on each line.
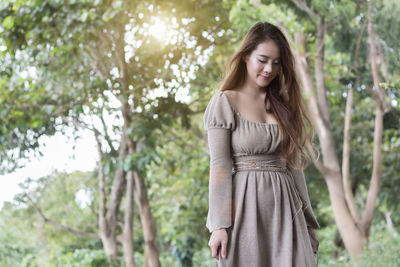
103,156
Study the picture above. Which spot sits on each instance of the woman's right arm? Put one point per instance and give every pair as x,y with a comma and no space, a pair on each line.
219,122
220,189
220,181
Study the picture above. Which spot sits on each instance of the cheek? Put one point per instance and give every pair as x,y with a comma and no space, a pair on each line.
254,66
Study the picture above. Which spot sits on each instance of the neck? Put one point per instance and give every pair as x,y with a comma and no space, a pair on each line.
252,90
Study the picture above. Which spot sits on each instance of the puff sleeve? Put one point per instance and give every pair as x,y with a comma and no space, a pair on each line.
219,121
219,113
300,182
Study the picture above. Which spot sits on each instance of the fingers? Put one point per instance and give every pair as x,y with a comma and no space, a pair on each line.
214,249
214,252
218,244
223,249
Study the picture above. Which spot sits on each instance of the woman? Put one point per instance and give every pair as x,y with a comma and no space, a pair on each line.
259,208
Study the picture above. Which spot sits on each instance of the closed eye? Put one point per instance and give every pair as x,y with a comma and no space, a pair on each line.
276,62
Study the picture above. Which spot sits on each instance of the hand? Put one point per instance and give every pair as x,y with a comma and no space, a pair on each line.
218,238
312,232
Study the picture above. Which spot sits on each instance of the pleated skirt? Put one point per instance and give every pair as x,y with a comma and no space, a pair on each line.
269,228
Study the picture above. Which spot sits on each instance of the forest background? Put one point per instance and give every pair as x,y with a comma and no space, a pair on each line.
137,76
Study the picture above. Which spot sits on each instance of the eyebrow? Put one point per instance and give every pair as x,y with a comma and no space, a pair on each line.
267,56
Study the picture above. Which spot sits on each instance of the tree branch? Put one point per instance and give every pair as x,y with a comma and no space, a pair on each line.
378,131
102,190
373,55
320,72
346,158
97,64
349,196
303,6
117,186
60,226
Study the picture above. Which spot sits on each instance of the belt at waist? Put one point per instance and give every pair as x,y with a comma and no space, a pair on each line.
271,162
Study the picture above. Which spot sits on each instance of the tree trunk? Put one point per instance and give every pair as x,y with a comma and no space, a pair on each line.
151,254
127,233
108,220
110,248
353,238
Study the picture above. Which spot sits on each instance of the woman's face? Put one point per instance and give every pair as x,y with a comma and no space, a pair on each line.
263,64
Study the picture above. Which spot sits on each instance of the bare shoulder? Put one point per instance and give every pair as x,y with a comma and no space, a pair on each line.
232,96
230,93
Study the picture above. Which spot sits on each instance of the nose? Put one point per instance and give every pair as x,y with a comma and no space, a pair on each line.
268,67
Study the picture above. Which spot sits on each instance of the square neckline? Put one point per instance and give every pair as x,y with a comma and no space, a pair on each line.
243,118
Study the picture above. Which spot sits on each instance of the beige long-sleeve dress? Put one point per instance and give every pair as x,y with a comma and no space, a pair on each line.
254,194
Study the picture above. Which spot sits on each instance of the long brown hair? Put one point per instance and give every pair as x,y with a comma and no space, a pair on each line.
283,93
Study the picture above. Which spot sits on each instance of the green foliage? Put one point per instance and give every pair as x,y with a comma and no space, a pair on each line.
382,249
244,14
67,199
17,244
178,192
83,258
328,253
75,50
387,21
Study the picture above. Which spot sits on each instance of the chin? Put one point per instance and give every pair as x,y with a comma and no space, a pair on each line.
264,85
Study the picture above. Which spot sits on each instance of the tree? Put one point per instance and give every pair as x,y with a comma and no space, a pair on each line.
307,25
101,57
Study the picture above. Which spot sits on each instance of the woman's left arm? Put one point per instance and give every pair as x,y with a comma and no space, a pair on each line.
311,220
300,181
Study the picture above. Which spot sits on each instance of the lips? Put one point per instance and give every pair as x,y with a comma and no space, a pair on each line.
265,77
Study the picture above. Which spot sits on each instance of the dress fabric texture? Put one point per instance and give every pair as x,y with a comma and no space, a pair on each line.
265,210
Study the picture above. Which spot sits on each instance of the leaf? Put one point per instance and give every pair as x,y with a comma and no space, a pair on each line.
8,22
84,16
77,109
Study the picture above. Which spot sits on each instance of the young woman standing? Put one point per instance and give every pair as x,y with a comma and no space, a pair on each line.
259,209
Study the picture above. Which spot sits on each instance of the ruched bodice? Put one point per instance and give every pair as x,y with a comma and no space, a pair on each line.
255,138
